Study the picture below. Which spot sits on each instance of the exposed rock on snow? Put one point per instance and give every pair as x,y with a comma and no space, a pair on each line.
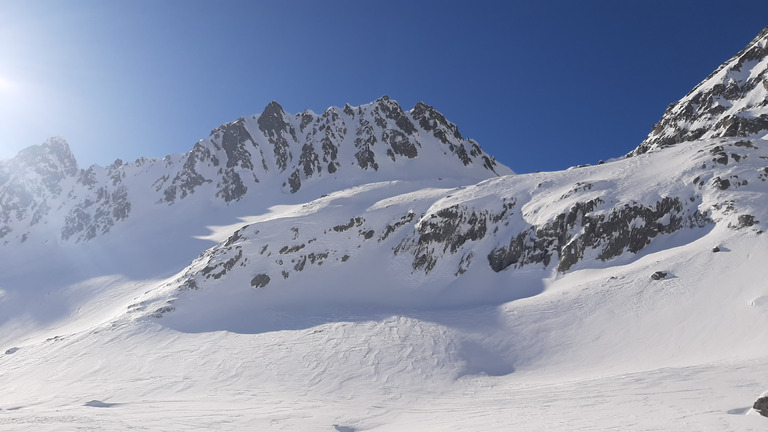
744,221
260,281
761,406
570,235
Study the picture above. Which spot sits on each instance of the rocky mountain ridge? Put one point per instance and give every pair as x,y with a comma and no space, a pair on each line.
44,194
730,102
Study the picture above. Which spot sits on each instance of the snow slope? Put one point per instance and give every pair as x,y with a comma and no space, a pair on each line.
629,295
604,349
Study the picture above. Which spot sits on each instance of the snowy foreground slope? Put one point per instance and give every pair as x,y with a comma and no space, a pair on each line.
431,293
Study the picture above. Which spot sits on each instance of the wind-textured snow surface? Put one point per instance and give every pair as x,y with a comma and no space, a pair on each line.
432,292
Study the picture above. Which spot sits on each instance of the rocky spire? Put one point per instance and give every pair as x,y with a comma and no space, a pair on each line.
273,124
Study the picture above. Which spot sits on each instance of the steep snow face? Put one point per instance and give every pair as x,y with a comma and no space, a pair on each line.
46,198
731,102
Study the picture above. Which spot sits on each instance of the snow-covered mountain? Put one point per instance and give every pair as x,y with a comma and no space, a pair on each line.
731,102
263,154
371,269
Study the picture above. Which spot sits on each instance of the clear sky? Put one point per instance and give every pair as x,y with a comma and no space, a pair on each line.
541,85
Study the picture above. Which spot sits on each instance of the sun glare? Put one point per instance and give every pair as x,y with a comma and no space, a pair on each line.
6,85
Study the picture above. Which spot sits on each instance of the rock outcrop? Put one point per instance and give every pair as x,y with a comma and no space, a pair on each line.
761,406
731,102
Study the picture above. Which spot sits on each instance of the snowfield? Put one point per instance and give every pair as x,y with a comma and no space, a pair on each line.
597,350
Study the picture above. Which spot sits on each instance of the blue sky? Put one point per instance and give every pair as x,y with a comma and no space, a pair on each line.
540,85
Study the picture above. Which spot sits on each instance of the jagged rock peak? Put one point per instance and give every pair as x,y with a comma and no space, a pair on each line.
273,108
54,154
730,102
272,118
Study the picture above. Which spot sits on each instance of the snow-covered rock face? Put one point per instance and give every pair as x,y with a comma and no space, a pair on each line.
302,148
372,241
731,102
439,240
271,153
30,182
